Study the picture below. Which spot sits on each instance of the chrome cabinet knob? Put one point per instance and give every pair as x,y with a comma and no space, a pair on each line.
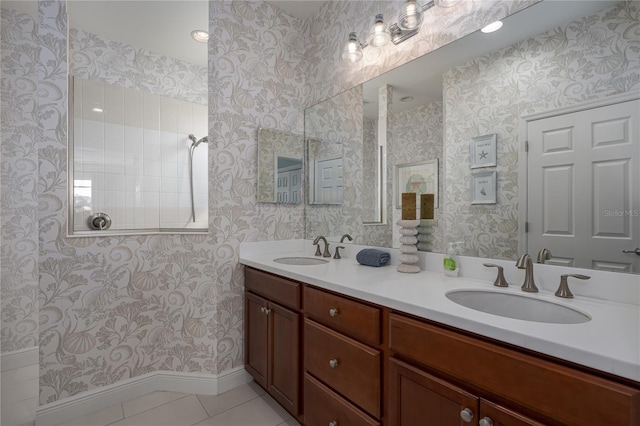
333,423
466,415
267,311
333,363
485,421
333,312
262,309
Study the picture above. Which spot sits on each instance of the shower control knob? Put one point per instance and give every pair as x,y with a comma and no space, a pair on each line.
99,221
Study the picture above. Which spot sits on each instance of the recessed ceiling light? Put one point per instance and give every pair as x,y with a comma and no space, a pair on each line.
406,99
200,36
494,26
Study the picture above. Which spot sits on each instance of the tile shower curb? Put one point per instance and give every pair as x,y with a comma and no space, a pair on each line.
97,399
20,358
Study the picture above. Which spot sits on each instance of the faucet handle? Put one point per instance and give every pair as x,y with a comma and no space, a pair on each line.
563,290
500,280
337,255
318,252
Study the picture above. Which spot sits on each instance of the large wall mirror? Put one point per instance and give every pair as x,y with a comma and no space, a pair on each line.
138,117
576,196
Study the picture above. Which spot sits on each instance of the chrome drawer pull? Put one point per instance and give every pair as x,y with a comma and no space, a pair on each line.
486,421
466,415
333,363
333,312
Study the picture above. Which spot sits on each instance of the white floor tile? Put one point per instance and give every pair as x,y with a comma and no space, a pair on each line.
101,418
255,413
149,401
289,422
182,412
216,404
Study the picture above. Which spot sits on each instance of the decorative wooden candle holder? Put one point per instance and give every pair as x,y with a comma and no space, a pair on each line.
426,206
408,206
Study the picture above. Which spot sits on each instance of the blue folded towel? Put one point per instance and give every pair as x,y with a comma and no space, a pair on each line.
372,257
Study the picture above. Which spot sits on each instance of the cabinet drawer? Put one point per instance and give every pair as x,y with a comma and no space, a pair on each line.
353,318
272,287
567,395
347,366
322,406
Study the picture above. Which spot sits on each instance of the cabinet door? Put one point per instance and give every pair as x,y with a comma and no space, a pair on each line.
496,415
284,362
257,338
418,398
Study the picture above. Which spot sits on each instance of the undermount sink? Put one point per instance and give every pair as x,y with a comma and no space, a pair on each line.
300,260
518,307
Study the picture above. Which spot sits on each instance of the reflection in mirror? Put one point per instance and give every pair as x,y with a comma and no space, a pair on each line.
326,172
138,100
280,171
548,56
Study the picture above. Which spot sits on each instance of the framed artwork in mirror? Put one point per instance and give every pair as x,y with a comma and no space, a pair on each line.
484,151
420,178
483,187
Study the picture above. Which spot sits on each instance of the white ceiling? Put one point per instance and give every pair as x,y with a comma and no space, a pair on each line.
162,26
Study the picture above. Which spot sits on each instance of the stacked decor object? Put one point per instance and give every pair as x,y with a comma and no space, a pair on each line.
408,235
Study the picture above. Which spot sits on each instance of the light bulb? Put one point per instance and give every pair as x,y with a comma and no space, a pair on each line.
353,50
411,16
379,35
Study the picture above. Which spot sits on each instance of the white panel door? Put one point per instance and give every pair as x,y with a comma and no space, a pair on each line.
329,181
584,187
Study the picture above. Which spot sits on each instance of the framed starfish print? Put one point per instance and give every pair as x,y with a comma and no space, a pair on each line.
484,151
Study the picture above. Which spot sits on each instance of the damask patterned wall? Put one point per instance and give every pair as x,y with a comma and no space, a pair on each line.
591,58
94,57
19,203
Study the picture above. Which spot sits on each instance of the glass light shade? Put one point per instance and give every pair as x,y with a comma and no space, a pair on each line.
410,17
352,51
380,34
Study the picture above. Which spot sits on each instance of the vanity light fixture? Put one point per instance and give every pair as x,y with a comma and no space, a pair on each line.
200,36
408,25
494,26
379,35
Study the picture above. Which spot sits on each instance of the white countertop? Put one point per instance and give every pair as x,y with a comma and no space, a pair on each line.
610,342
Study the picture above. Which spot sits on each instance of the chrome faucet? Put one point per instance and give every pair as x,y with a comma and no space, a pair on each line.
525,262
544,255
347,236
316,242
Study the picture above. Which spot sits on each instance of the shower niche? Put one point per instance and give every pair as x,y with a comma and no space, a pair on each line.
139,159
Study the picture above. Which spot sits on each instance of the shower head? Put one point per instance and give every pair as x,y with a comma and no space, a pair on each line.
195,142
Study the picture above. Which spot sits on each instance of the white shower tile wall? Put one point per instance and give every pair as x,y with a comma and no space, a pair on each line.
131,158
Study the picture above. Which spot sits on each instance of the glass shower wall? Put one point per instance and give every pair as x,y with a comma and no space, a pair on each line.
131,159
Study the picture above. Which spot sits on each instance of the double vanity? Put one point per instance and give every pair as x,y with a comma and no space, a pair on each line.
337,343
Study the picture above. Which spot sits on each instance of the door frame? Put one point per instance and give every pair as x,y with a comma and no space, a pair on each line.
523,206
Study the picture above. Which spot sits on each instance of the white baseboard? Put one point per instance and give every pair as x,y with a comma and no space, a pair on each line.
106,396
17,359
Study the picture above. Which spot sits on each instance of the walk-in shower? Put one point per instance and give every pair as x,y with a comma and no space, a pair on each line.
194,144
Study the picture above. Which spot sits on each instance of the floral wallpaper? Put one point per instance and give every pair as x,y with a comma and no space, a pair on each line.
19,202
417,136
94,57
272,143
591,58
112,308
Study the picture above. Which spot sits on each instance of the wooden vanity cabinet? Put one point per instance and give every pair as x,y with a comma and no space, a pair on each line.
343,360
272,332
446,362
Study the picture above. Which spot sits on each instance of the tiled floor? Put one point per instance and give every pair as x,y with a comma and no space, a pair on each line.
246,405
